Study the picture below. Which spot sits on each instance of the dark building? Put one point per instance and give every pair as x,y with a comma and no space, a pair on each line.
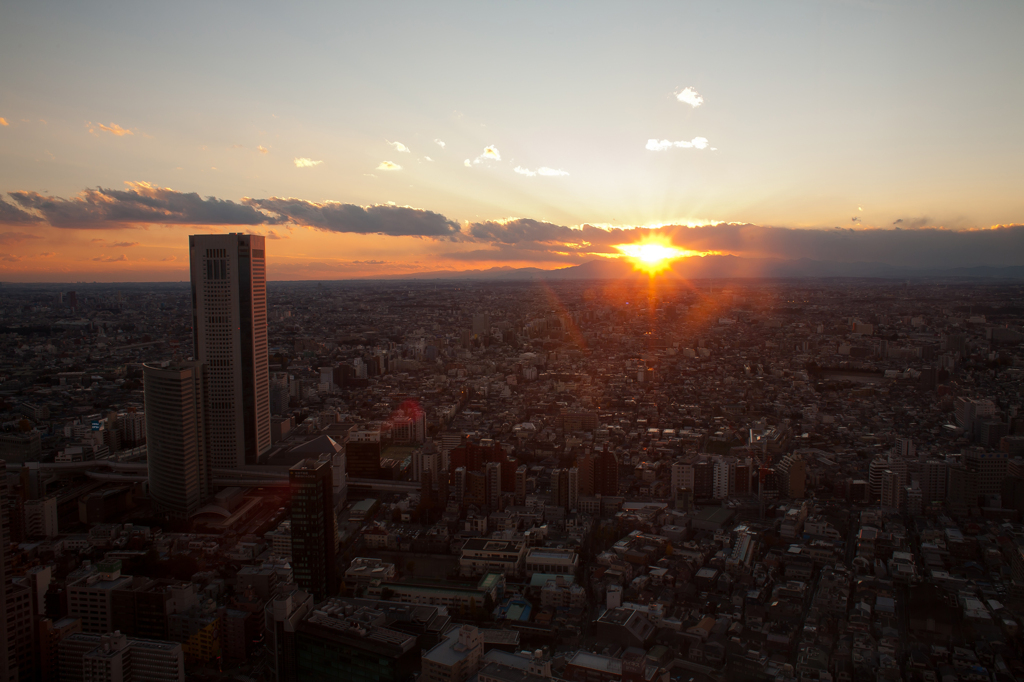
473,456
142,609
313,547
606,473
352,645
703,479
179,474
362,459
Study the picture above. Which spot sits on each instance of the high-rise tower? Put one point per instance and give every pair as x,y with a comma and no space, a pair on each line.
229,327
313,520
179,472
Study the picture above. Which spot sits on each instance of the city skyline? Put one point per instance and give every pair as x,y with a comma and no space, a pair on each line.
387,142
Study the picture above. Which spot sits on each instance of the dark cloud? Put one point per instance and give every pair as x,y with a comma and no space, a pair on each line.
917,243
397,221
111,259
140,203
125,244
520,253
924,247
521,230
12,215
11,238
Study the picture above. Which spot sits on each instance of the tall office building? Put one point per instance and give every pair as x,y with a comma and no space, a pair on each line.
574,489
179,471
990,466
521,473
229,326
559,487
933,485
459,484
606,473
682,476
492,484
313,521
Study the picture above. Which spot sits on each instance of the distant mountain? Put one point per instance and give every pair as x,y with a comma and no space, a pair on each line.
720,267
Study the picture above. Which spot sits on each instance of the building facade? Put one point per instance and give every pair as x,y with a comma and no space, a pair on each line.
313,524
179,472
229,326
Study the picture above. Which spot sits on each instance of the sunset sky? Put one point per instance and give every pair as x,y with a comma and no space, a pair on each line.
397,137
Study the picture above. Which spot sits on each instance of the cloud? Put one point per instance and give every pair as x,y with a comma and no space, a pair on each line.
125,244
918,244
351,218
490,153
399,147
467,163
271,234
439,143
10,258
261,149
428,158
141,203
662,145
168,259
3,122
110,259
690,96
388,166
11,238
306,162
12,215
543,170
47,254
113,129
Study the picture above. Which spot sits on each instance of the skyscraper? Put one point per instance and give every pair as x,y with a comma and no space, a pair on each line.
606,473
179,472
521,472
229,326
574,489
313,549
492,484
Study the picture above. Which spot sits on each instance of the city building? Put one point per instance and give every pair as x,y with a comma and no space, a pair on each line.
176,427
41,517
313,527
483,555
337,642
455,658
229,322
90,594
114,657
282,616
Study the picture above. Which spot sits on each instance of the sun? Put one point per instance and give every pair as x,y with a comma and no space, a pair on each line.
654,254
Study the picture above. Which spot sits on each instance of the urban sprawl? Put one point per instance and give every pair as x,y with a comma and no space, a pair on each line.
641,480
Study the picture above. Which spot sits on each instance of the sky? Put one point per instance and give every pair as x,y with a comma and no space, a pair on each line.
388,138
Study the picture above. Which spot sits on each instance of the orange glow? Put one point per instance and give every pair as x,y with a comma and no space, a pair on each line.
655,254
